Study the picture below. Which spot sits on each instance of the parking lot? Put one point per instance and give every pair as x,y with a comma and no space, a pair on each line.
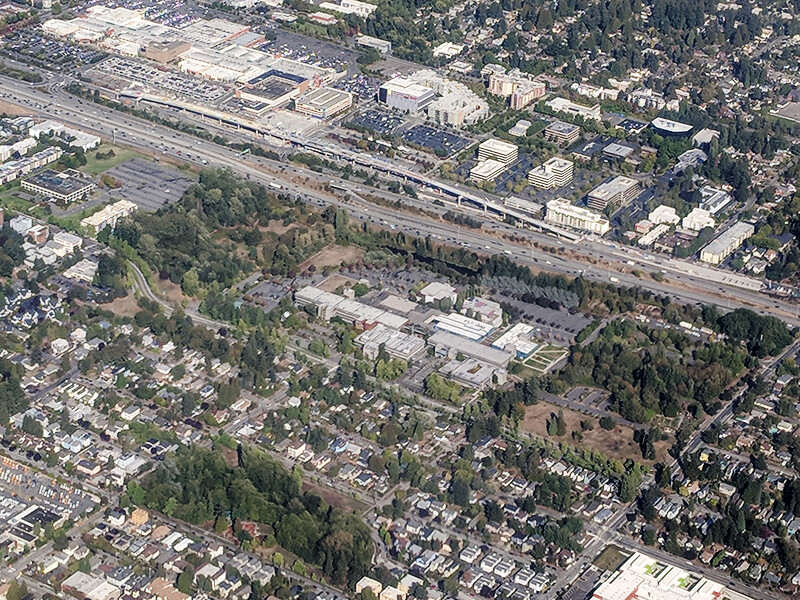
150,185
442,143
30,47
311,51
558,327
378,121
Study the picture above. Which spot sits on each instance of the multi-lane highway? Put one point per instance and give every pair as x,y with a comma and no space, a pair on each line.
595,259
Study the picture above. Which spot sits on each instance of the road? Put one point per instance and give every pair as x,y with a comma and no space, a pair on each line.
596,259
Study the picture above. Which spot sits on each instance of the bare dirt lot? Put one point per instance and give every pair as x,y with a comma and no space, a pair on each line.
13,109
124,307
332,256
615,444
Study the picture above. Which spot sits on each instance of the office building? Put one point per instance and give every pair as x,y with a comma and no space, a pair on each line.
487,170
663,214
473,373
65,187
324,103
561,212
108,216
405,94
714,199
350,7
568,107
666,127
498,150
367,41
726,243
519,340
553,173
562,133
697,219
617,192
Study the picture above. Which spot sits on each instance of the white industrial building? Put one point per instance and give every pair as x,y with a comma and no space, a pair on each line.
462,326
617,192
642,577
663,214
697,219
396,343
554,173
565,106
726,243
562,212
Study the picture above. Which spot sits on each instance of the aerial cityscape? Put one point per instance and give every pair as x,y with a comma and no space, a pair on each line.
399,300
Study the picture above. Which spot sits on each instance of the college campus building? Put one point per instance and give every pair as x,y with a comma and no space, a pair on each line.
561,212
726,243
65,187
324,103
553,173
617,192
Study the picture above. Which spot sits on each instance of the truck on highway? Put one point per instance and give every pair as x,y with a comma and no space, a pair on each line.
275,186
613,279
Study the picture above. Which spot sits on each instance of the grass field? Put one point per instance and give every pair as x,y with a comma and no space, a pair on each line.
95,166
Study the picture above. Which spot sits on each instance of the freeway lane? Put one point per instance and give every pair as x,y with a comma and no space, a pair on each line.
161,140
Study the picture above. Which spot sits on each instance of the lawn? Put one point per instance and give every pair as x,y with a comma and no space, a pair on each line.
13,201
95,166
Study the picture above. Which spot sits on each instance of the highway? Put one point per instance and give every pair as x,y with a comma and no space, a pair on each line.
596,259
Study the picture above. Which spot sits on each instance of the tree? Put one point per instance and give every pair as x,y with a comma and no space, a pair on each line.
185,580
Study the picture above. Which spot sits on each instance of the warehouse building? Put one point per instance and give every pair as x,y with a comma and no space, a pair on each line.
617,192
324,103
561,212
396,343
562,133
88,587
65,187
405,94
498,150
553,173
726,243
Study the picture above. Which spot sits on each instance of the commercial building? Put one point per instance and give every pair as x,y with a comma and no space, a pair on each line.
726,243
562,133
617,192
668,127
517,87
462,326
65,187
448,344
396,343
325,18
351,7
553,173
330,305
108,216
561,212
617,151
88,587
714,199
324,103
642,577
568,107
697,219
165,51
367,41
405,94
487,170
663,214
454,104
498,150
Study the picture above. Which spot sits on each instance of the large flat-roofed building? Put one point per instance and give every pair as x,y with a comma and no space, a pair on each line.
670,128
449,344
350,7
714,199
436,291
487,170
562,133
65,187
367,41
74,137
109,216
726,243
271,88
88,587
553,173
568,107
165,51
561,212
517,87
330,305
405,94
697,219
518,339
473,373
663,214
324,103
498,150
396,343
617,192
642,577
463,326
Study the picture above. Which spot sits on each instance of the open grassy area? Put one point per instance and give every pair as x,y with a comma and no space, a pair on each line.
95,166
15,201
610,558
